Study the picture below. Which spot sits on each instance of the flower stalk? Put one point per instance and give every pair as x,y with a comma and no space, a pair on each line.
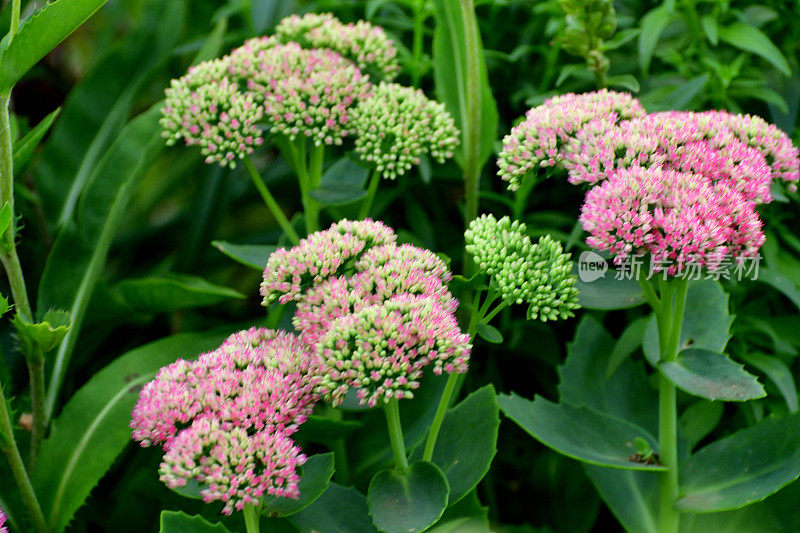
392,411
269,200
251,518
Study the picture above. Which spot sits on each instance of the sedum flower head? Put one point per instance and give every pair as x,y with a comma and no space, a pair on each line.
381,274
231,464
677,218
257,379
397,125
539,141
538,274
364,44
678,140
322,254
381,350
3,529
206,109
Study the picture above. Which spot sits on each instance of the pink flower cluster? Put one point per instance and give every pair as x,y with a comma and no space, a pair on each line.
3,529
354,285
225,419
322,254
678,218
382,349
539,141
364,44
683,141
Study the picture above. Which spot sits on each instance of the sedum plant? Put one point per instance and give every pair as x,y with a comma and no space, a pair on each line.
673,197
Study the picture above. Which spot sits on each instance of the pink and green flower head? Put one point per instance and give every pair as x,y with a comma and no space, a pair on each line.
540,140
308,93
538,274
232,464
676,218
3,529
289,273
381,350
257,380
362,43
382,273
206,109
397,125
681,141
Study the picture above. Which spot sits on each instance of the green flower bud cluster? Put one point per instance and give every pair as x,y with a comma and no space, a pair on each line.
397,125
538,274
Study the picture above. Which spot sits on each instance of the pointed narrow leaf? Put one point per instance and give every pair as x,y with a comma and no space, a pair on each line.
751,39
40,34
699,420
24,147
742,469
180,522
631,495
92,429
579,432
489,333
405,502
314,480
159,295
252,255
711,375
653,25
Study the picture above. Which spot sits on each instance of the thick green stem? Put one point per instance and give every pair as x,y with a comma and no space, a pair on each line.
36,372
392,411
9,447
309,174
419,29
272,205
472,127
502,305
366,204
444,403
669,316
251,518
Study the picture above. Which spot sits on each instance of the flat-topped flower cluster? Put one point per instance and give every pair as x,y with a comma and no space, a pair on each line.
225,420
679,186
311,80
375,313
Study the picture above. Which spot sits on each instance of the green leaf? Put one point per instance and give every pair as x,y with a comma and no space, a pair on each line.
213,43
159,295
92,429
180,522
343,183
40,34
449,75
607,292
579,432
45,335
711,375
404,502
5,218
778,372
75,263
98,107
624,81
467,442
338,510
744,468
706,322
699,420
489,333
24,147
4,305
252,255
324,430
709,23
630,340
314,480
653,25
631,495
750,39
